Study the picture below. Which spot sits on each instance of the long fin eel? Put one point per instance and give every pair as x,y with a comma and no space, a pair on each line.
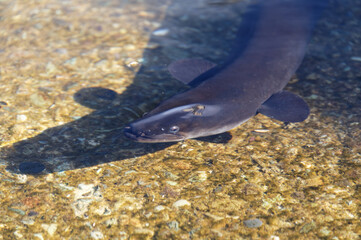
266,56
286,107
195,71
188,69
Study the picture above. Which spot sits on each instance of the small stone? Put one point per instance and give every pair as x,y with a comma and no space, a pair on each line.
71,61
274,237
22,178
96,235
102,211
181,203
50,228
200,176
102,63
356,59
174,225
110,222
18,235
172,183
253,223
170,175
28,221
153,45
143,231
51,68
84,195
312,76
33,213
130,47
130,172
18,211
61,50
324,232
298,195
133,64
313,96
39,236
123,235
314,182
181,165
261,130
159,208
308,227
38,100
161,32
214,217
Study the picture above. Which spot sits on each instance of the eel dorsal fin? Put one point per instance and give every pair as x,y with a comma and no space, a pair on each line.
285,106
187,70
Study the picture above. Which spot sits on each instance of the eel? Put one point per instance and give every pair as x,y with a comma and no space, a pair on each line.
269,48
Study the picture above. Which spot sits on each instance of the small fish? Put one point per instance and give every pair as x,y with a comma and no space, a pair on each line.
270,47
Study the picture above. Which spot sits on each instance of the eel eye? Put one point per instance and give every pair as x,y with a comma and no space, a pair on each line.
174,129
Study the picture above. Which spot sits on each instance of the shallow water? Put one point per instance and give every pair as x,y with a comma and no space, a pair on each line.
74,73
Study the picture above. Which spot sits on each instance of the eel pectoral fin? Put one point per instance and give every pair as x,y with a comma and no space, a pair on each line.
286,107
188,69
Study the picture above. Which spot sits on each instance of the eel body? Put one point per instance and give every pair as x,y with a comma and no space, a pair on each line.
269,48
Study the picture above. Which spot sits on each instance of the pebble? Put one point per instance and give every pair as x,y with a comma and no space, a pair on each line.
174,225
61,50
84,195
161,32
50,228
181,203
28,221
18,211
110,222
172,183
51,68
133,64
253,223
71,61
170,175
96,235
153,45
214,217
18,235
143,231
324,232
21,118
101,63
308,227
159,208
356,59
261,130
21,178
274,237
38,100
312,76
129,47
39,236
200,176
102,211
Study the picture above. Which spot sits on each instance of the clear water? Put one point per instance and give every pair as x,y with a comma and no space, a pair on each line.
74,73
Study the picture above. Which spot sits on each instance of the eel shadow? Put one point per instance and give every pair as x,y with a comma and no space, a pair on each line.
98,138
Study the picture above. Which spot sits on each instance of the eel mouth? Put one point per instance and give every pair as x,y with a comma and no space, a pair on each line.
139,136
129,134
